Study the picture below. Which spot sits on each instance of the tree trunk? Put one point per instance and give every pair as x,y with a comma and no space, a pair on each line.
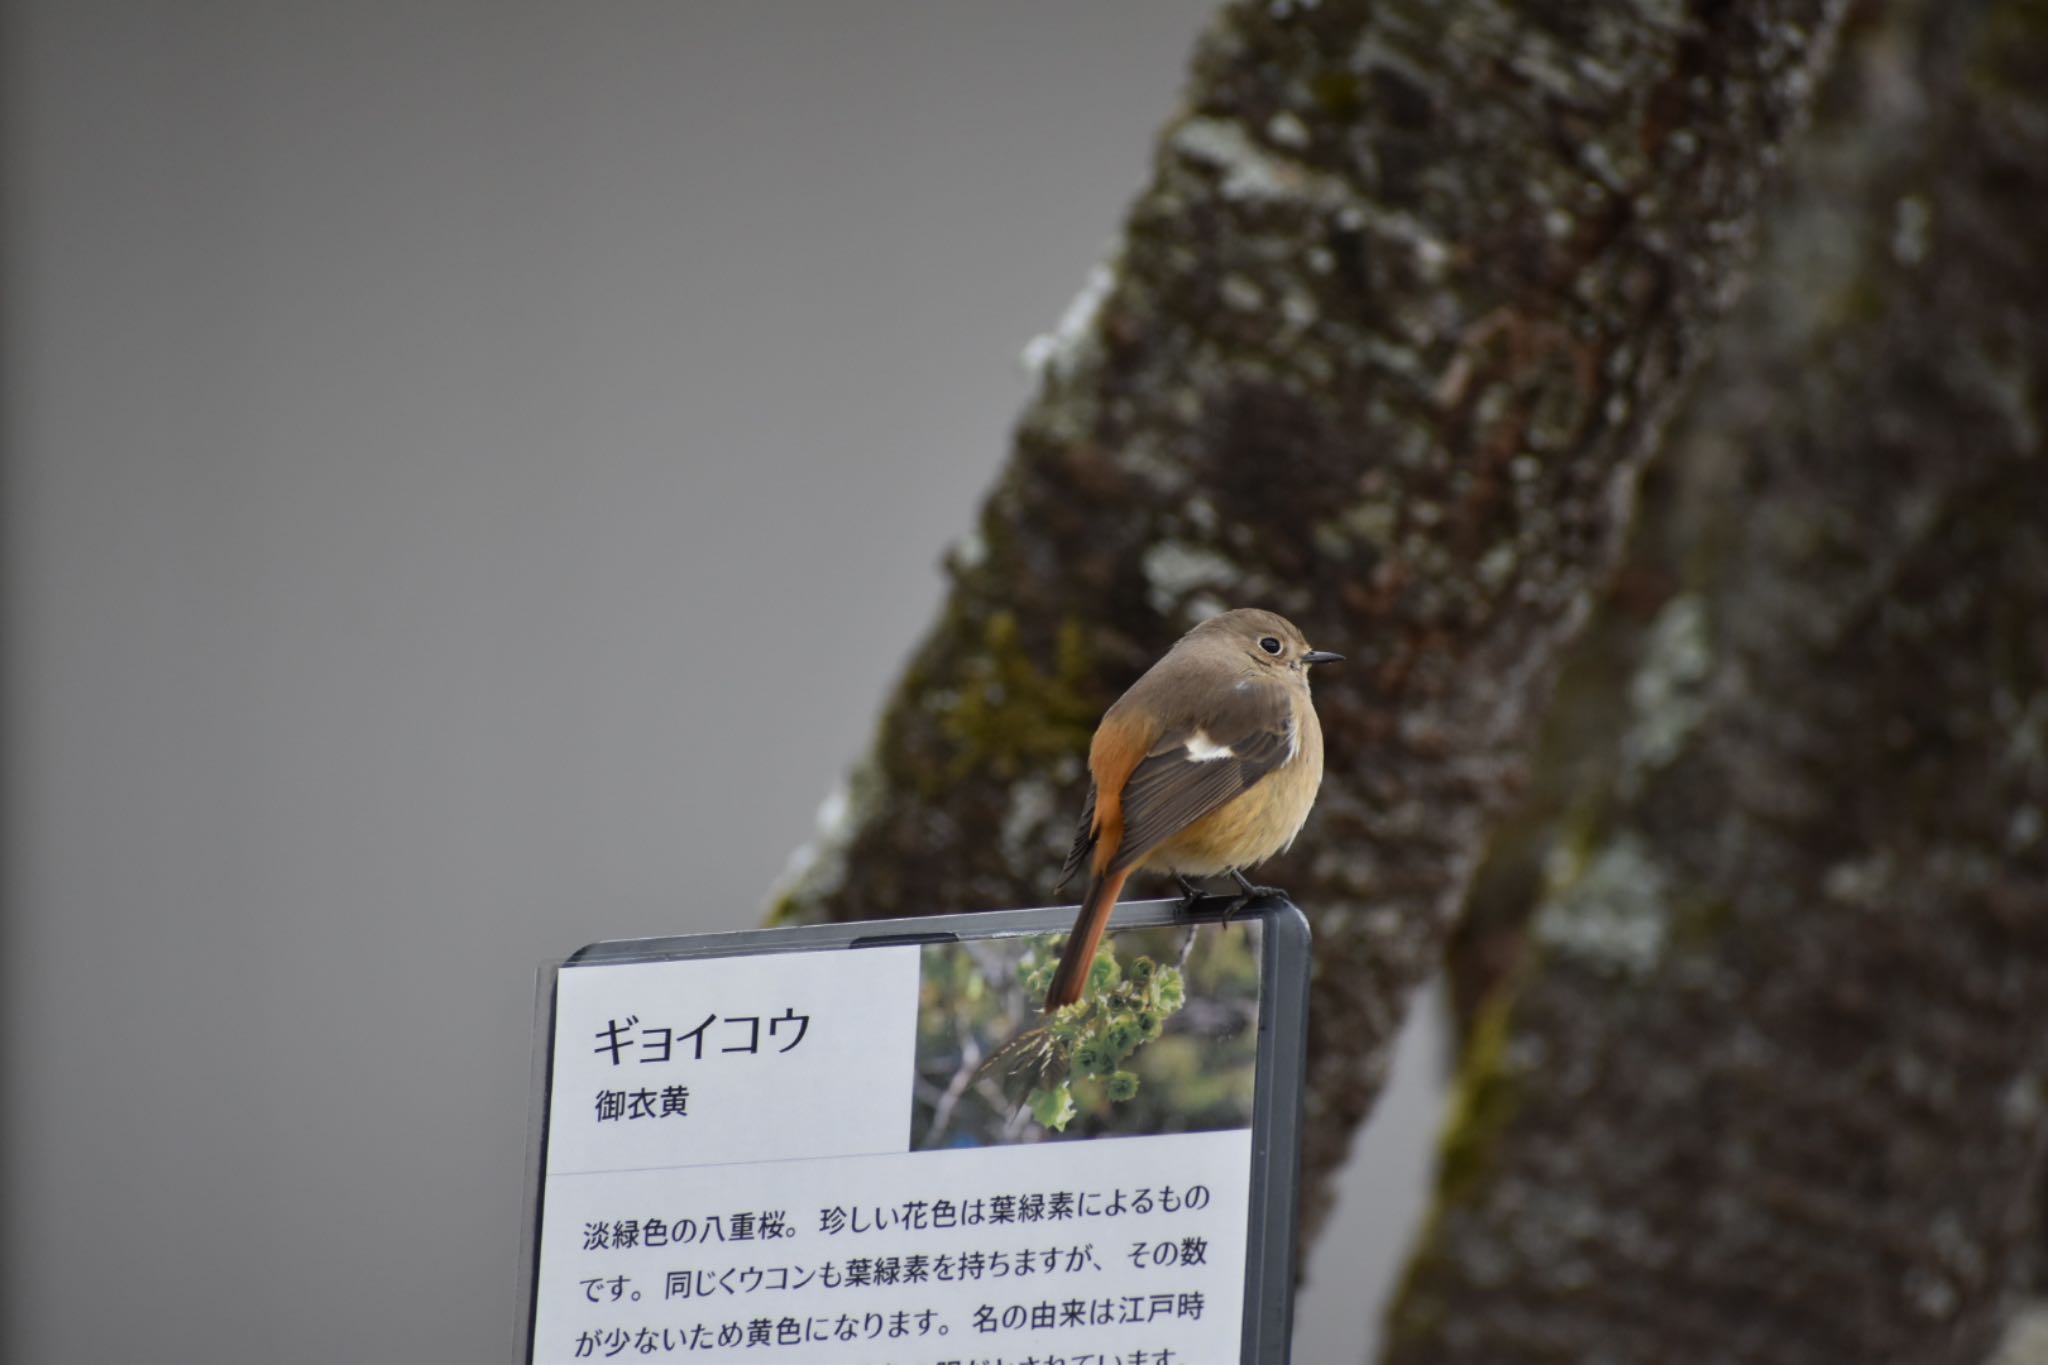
1384,346
1771,1086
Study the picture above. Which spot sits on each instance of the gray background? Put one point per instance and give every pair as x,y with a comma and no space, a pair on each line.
473,471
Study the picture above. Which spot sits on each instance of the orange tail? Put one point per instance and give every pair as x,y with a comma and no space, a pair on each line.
1079,953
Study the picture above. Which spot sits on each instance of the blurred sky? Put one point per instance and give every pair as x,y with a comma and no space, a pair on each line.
473,470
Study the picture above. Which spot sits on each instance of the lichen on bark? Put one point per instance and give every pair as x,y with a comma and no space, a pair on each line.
1779,1079
1384,345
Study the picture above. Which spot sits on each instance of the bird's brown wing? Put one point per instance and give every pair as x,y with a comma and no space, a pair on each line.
1191,770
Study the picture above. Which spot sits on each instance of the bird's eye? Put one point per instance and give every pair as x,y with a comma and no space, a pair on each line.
1270,645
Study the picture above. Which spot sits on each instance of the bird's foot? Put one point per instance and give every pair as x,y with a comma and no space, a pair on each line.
1253,891
1191,895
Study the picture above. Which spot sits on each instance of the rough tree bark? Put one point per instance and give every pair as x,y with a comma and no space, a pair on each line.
1386,342
1773,1084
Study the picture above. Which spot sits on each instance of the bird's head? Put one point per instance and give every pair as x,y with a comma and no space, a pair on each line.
1265,638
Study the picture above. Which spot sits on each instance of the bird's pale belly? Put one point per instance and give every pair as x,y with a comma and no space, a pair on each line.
1251,828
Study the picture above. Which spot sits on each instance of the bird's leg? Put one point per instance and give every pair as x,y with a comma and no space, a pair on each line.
1251,892
1190,893
1252,889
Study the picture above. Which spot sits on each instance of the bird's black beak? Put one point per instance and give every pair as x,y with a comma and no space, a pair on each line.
1322,656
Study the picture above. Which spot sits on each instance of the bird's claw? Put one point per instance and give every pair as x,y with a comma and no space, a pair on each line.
1253,891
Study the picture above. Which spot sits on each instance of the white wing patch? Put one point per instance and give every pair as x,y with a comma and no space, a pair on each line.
1293,738
1201,749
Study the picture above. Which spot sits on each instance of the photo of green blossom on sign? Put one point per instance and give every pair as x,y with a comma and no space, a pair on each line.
1163,1040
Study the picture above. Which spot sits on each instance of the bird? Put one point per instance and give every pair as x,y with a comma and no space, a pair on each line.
1207,765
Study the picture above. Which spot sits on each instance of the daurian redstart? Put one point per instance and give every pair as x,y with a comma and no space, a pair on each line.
1208,764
